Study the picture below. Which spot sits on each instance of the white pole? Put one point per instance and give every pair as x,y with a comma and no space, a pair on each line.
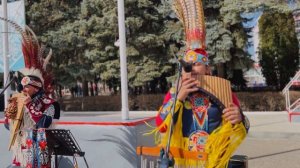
5,52
123,60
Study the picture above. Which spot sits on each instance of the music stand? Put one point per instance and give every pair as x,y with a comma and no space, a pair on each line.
62,142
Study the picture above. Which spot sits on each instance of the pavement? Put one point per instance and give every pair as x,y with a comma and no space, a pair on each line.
272,142
109,141
273,125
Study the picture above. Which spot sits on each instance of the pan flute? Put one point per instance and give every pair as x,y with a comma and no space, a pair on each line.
218,90
17,121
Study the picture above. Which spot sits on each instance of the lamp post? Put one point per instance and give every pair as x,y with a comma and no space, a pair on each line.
5,52
123,60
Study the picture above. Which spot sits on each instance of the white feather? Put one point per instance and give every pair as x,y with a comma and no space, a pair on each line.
32,72
47,59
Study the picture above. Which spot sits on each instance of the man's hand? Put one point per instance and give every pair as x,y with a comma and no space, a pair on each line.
26,99
232,114
187,86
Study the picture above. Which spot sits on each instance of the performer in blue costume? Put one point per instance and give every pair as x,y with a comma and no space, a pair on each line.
199,124
194,111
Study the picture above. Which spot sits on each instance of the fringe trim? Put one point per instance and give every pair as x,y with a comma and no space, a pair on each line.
220,146
187,163
222,143
18,153
177,137
162,138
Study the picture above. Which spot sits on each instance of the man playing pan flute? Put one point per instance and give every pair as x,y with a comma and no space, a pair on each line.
32,110
200,124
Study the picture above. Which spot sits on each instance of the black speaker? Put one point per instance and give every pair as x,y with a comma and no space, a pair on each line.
238,161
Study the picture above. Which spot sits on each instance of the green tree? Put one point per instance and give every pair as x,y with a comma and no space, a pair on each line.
83,35
145,43
226,39
69,43
278,47
99,27
50,20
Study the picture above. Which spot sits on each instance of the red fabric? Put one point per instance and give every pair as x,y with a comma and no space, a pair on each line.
6,121
158,119
235,100
167,98
44,102
15,163
201,51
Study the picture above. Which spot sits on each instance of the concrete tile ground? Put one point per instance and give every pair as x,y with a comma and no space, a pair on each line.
272,141
271,153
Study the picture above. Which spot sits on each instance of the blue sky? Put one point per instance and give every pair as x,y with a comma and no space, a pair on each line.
16,12
253,21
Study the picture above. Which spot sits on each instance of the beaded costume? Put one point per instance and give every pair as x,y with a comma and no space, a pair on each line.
27,122
198,123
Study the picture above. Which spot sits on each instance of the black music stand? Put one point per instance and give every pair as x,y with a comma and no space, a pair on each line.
62,142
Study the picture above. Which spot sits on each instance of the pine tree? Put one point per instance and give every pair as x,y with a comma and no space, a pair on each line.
146,53
47,19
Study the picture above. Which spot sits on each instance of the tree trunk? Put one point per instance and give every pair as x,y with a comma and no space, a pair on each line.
221,70
85,88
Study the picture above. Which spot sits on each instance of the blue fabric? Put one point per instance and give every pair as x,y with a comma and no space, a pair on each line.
44,122
214,118
6,126
189,124
46,119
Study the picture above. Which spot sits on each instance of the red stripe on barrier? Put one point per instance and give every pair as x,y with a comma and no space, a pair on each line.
134,123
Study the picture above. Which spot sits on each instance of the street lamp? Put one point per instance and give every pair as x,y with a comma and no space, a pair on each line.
123,60
5,52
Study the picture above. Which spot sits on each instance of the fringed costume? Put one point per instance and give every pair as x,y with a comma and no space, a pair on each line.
27,121
198,126
198,122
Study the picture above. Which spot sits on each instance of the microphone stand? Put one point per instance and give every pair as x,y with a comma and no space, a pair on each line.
10,82
15,78
165,161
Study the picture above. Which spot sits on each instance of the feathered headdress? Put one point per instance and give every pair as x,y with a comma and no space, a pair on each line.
33,53
191,14
223,141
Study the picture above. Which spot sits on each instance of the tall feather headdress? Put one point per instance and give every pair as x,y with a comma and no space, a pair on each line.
33,53
191,13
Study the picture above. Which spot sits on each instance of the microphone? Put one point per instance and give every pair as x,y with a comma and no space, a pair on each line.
13,79
186,66
17,77
20,87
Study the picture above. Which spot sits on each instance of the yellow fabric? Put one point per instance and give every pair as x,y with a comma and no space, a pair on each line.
220,146
178,108
222,143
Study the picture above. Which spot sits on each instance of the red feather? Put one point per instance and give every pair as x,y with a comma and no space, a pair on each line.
32,52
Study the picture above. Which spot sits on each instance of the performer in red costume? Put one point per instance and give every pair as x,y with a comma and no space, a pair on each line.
32,110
